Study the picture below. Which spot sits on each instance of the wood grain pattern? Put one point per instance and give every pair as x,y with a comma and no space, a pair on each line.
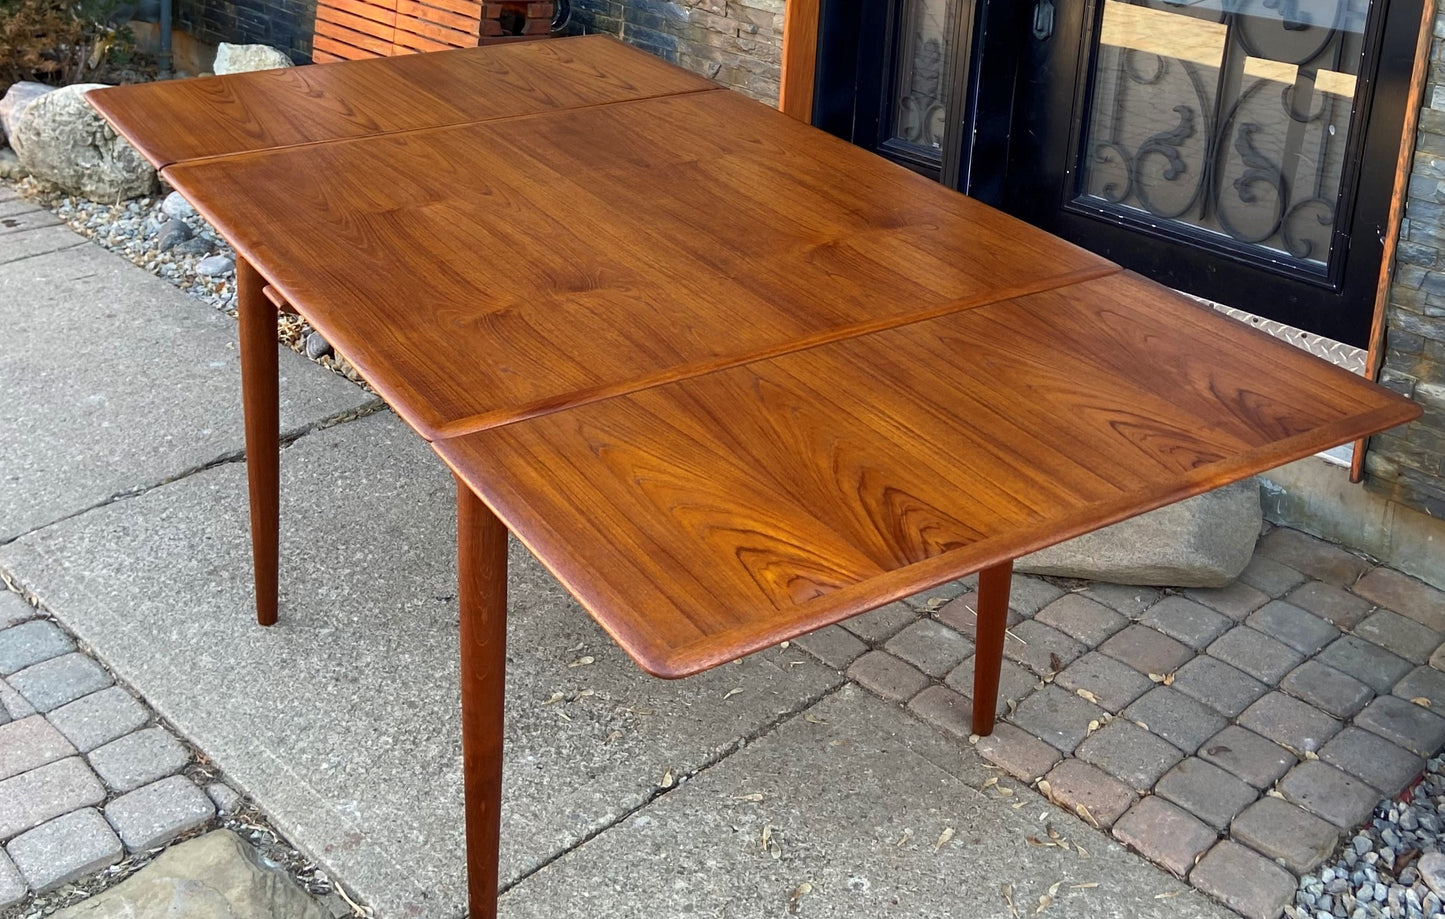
217,116
492,271
715,516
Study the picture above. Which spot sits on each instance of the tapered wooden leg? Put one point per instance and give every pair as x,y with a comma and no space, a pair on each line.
993,591
482,596
261,400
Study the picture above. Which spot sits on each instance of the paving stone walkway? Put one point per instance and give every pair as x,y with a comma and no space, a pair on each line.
1232,736
87,775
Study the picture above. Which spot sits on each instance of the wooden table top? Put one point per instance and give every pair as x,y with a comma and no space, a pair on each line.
716,516
218,116
486,272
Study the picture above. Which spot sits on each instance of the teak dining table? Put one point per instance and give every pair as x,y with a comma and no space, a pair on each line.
729,378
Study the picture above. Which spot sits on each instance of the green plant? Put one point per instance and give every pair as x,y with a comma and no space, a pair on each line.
59,41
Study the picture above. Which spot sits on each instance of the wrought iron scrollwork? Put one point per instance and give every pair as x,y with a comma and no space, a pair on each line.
1218,156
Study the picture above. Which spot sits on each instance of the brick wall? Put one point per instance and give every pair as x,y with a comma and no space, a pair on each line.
737,43
1408,464
283,24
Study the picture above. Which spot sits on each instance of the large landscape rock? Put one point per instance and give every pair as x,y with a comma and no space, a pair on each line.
1203,542
16,99
63,141
241,58
217,876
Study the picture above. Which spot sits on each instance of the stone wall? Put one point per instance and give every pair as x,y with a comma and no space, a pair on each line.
283,24
737,43
1408,464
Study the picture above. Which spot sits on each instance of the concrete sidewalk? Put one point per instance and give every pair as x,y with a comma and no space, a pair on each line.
771,786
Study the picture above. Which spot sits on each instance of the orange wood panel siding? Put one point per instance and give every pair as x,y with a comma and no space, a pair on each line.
355,29
800,59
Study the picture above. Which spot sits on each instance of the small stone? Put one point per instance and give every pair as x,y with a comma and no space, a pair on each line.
155,814
214,266
65,849
175,206
196,245
1432,871
316,346
172,233
226,798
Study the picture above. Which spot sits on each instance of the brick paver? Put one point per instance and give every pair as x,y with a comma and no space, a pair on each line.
14,609
1206,791
157,813
1327,792
1399,635
881,624
1223,688
29,743
1112,684
99,718
1041,648
139,759
1342,609
1405,724
1017,752
1014,683
30,643
1129,753
1184,620
13,888
930,646
33,797
13,703
1175,717
1285,831
944,709
1287,623
886,675
1246,754
1255,653
1076,784
1367,662
833,645
65,849
1270,577
1384,766
1057,717
1314,557
1235,601
1246,882
961,615
1423,683
52,683
1086,621
1404,595
1290,723
1327,689
1126,599
935,597
1164,834
1028,594
1147,650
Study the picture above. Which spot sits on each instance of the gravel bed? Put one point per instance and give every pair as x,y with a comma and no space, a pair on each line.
1393,868
165,236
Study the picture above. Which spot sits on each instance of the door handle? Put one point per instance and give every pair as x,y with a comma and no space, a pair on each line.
1043,19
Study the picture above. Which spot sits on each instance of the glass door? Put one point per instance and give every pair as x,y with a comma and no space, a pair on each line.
1242,150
